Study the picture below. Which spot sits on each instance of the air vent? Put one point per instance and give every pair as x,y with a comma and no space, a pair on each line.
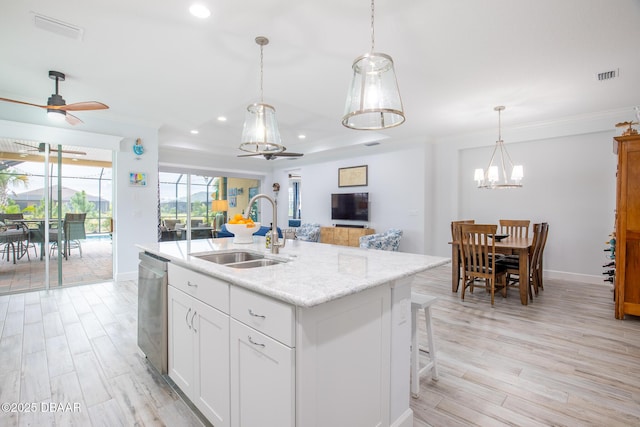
58,27
608,75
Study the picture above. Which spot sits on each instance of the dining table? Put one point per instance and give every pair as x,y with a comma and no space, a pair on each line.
39,232
509,245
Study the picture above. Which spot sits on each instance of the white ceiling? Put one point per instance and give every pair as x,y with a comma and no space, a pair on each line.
155,64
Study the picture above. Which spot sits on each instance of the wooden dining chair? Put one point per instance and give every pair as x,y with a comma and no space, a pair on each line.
512,262
479,259
515,227
455,237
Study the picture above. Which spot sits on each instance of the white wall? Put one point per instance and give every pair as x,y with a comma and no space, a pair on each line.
569,183
397,188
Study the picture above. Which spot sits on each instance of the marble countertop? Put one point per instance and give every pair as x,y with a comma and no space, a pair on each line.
313,274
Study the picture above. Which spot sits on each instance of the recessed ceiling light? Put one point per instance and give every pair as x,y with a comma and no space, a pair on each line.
199,11
302,136
194,131
222,119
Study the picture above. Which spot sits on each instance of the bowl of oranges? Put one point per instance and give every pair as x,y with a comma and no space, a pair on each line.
242,228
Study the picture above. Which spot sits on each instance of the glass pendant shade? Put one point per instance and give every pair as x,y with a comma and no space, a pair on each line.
373,101
260,132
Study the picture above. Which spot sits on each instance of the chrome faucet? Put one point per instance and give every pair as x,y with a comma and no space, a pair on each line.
275,242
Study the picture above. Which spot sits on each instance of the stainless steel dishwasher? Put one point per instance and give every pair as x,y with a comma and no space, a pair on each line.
152,309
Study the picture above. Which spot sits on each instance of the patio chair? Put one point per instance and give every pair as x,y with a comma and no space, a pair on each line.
72,232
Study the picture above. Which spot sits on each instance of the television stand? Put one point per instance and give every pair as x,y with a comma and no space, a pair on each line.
344,235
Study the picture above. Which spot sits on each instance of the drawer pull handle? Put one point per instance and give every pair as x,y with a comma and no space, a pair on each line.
195,285
255,343
186,318
256,315
192,317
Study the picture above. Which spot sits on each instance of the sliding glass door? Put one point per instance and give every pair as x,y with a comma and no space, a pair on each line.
42,185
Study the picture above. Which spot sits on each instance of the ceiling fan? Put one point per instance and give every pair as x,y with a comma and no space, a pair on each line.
270,156
57,107
41,146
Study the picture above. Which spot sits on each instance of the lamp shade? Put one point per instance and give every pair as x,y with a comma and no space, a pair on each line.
219,205
260,132
373,101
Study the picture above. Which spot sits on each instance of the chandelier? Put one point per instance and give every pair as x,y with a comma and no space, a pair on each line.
373,101
260,134
496,175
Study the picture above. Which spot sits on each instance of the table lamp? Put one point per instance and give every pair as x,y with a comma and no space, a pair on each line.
219,206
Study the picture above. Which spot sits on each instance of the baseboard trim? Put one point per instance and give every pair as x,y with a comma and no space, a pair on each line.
131,275
404,420
575,277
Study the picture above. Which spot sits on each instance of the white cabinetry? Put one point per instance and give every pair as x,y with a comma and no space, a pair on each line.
199,344
262,379
245,359
262,361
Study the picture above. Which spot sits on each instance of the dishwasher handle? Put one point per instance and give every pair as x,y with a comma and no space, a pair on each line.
152,261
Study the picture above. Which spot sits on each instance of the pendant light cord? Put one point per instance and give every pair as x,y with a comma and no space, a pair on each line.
373,33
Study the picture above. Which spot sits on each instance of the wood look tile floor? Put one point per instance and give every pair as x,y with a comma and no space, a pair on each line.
561,361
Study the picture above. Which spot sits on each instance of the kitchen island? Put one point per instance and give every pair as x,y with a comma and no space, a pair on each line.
320,338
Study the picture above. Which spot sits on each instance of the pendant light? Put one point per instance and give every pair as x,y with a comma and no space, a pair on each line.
260,134
373,101
496,175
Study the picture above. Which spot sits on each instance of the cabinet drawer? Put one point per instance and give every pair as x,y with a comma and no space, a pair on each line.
273,318
211,291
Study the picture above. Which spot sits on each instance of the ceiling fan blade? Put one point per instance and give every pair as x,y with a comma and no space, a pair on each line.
287,154
80,153
72,120
249,155
80,106
23,103
26,145
55,150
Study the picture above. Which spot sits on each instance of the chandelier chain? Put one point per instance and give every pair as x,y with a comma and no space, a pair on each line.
373,33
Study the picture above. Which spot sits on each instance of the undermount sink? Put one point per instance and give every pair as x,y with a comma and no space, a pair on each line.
228,257
237,259
255,263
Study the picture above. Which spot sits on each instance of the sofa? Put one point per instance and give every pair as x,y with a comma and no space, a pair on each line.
387,241
308,232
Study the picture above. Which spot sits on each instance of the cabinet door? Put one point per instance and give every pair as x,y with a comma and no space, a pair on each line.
326,235
211,394
181,356
341,236
262,379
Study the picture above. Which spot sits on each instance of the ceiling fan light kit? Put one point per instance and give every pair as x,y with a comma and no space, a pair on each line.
57,108
373,101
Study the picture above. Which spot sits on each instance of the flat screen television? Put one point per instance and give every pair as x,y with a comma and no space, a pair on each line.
350,206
